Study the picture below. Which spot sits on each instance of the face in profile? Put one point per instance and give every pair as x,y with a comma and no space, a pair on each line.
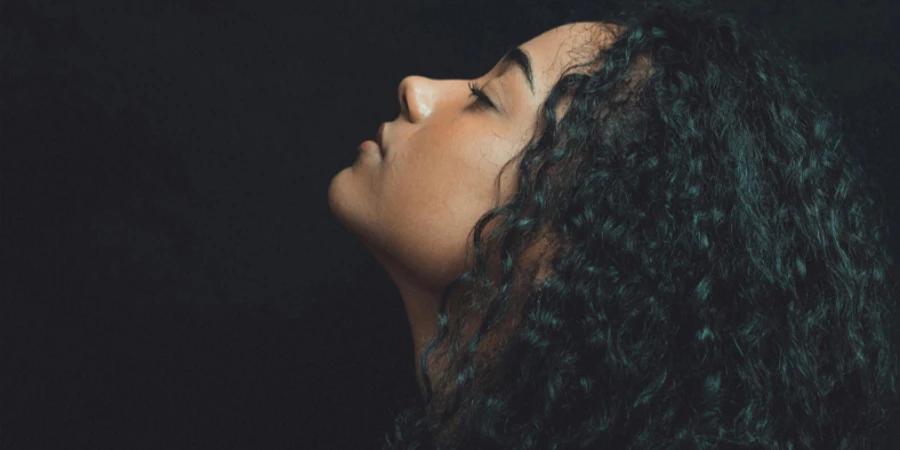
415,207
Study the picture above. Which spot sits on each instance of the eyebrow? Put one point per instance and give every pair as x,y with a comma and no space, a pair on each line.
518,57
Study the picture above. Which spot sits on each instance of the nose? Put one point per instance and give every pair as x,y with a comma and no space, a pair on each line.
414,97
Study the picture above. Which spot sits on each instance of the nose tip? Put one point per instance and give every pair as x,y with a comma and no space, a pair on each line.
401,94
406,87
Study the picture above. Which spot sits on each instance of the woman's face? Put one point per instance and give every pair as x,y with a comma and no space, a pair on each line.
415,207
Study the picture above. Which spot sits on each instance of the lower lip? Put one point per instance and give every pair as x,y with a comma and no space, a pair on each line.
370,147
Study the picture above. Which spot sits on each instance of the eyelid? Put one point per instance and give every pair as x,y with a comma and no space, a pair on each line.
496,106
481,96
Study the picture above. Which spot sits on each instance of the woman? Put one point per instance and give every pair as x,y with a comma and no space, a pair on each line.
636,232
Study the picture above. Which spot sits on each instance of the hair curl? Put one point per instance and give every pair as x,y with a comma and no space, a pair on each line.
720,278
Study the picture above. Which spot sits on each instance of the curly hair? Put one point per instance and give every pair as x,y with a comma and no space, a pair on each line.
719,276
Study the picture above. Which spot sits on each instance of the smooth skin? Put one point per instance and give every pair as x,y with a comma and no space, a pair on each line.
415,208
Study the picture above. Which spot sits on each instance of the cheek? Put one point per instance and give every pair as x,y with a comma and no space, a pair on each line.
430,208
434,195
458,181
434,190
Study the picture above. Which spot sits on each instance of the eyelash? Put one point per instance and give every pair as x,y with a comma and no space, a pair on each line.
480,96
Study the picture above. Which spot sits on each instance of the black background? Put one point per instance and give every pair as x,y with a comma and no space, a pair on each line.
173,276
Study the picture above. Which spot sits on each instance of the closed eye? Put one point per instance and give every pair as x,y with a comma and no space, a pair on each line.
480,96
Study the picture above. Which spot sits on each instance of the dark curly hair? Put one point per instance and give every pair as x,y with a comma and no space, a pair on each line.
720,278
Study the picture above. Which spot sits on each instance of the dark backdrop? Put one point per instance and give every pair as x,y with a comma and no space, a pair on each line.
173,277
